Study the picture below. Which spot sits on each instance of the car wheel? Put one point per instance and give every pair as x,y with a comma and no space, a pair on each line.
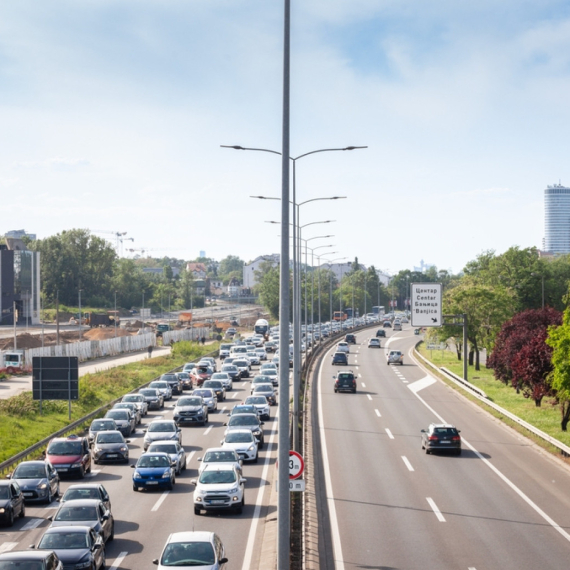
135,488
458,452
49,497
81,472
239,510
23,511
427,451
103,562
184,465
256,458
10,521
354,391
335,391
96,461
197,510
170,485
89,468
261,444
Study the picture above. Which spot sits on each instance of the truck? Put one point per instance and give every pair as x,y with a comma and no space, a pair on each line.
162,328
12,360
261,327
101,320
185,318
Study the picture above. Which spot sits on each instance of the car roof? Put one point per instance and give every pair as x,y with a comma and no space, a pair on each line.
25,555
82,502
84,486
191,536
219,467
68,528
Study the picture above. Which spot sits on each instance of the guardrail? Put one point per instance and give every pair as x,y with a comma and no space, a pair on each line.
480,395
34,450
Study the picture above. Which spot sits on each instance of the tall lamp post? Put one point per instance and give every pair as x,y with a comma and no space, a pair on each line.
319,287
80,314
115,320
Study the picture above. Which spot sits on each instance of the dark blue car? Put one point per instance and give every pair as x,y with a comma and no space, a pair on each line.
153,471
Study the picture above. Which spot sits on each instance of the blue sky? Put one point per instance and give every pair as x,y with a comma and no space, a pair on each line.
113,113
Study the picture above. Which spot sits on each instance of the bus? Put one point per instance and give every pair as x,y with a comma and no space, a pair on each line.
378,310
261,327
339,316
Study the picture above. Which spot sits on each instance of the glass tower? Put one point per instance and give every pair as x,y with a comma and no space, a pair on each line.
557,219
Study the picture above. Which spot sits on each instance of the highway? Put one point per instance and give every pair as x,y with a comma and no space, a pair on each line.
385,504
145,519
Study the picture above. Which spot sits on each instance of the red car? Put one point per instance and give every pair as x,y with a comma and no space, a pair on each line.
69,455
200,374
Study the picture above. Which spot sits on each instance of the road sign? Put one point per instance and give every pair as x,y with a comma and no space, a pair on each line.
55,378
297,486
426,305
296,465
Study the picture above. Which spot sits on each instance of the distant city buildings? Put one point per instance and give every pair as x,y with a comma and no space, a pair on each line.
249,269
556,220
19,234
423,266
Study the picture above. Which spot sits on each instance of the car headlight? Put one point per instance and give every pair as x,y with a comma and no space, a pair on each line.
123,449
166,475
137,475
251,448
86,564
42,486
96,450
257,432
233,490
2,510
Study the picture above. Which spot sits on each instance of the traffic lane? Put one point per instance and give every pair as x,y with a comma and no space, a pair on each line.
435,477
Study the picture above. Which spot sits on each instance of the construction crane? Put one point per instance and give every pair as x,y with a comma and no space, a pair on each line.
144,250
118,237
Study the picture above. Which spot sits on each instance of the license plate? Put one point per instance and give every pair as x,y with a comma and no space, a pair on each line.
27,494
445,441
218,502
61,469
152,482
113,455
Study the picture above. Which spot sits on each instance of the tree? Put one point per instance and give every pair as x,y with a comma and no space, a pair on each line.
268,282
185,289
229,264
128,281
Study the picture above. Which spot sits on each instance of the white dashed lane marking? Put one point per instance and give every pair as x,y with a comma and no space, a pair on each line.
208,430
437,512
33,523
160,501
118,561
407,463
378,413
369,396
389,433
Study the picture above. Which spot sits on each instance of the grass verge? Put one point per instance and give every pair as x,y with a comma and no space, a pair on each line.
21,424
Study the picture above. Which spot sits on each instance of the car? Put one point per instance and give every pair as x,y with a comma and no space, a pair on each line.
217,387
381,333
163,388
173,381
188,367
38,481
153,398
36,559
404,320
153,471
209,397
185,380
261,379
75,546
219,487
110,446
102,424
243,366
243,409
387,324
210,360
69,455
267,366
124,419
139,400
261,405
267,390
87,491
129,406
231,370
12,502
395,357
340,358
271,346
272,373
199,550
343,347
261,353
247,421
350,338
218,456
85,512
200,374
253,357
374,343
397,325
243,442
162,430
225,350
225,379
345,382
191,410
174,450
441,437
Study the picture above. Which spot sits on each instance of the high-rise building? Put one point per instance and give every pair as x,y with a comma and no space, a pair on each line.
557,219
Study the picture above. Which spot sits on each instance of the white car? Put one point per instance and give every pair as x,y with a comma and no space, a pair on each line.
204,549
267,390
261,353
253,357
162,430
267,366
374,343
261,405
243,442
219,487
219,456
343,347
224,378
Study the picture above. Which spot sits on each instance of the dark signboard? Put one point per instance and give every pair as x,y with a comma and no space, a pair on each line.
55,378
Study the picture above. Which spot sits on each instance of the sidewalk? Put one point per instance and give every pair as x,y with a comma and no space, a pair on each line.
18,384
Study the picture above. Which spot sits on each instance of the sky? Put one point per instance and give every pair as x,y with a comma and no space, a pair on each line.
112,113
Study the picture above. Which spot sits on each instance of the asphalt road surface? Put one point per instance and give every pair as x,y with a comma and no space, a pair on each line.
387,505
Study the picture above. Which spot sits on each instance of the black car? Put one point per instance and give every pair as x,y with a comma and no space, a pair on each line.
41,560
75,546
441,437
345,382
173,382
340,358
11,502
231,370
381,332
185,380
350,338
85,512
87,491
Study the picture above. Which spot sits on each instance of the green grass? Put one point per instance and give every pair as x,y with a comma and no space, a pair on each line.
546,418
21,424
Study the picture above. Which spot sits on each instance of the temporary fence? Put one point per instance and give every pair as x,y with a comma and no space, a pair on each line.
169,337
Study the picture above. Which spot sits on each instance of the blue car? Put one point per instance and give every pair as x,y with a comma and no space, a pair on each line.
153,470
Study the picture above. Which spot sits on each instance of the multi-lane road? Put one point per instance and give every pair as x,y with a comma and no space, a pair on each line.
386,504
145,519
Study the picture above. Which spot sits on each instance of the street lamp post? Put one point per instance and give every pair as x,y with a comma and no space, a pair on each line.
79,314
115,314
319,285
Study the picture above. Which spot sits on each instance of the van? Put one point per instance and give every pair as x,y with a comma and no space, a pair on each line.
397,325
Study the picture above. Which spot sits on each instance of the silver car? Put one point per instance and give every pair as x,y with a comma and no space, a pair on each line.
224,378
139,400
209,397
174,450
153,398
162,430
163,388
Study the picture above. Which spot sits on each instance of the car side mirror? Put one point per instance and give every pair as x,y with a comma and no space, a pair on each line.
243,480
155,561
132,466
226,424
127,441
193,482
423,430
223,560
32,546
105,517
97,545
261,423
50,518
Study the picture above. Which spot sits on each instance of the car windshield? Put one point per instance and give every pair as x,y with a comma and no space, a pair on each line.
189,402
204,393
107,437
21,564
73,494
132,398
213,384
148,392
4,493
169,448
118,414
188,554
161,426
169,378
263,388
201,370
219,457
159,385
243,420
217,477
239,437
220,376
64,541
24,471
71,513
241,363
256,400
229,368
243,410
99,425
261,379
153,461
64,448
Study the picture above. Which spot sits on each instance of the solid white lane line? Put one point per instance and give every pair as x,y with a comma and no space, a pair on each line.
407,463
335,532
160,501
262,483
118,561
363,384
378,413
389,433
522,495
189,457
369,396
33,523
437,512
208,430
7,546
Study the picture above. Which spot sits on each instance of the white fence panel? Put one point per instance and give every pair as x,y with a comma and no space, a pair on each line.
169,337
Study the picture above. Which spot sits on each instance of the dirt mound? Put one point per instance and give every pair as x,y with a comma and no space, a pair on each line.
24,341
104,333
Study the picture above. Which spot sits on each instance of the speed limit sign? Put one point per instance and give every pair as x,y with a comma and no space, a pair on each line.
296,465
